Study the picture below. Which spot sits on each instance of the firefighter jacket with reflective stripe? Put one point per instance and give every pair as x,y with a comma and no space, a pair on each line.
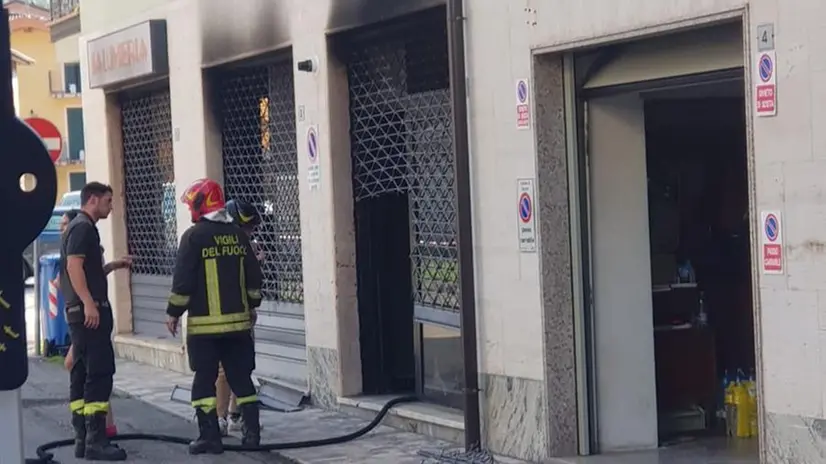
217,279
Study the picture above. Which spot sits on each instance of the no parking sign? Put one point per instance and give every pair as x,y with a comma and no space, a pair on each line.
526,215
313,168
765,88
772,242
523,101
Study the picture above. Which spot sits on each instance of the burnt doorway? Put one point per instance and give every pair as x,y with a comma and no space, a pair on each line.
405,208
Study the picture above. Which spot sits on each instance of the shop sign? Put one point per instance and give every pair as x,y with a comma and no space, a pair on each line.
139,51
771,243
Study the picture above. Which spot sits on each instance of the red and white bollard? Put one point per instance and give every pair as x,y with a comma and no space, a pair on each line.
52,299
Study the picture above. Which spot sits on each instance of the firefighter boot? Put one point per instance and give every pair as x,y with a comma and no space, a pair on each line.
98,447
251,428
209,434
79,424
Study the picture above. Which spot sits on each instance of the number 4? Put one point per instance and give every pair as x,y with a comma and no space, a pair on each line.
765,37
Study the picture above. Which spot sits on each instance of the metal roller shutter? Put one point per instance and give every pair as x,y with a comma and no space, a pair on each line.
257,113
402,142
692,53
149,183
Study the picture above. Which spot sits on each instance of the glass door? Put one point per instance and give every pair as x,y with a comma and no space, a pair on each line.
440,367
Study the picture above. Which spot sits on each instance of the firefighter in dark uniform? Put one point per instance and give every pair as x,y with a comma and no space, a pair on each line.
217,282
246,216
89,314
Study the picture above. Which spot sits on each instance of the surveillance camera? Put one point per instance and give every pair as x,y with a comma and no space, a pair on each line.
308,65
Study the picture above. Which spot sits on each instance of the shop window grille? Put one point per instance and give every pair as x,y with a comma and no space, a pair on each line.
149,182
257,112
402,139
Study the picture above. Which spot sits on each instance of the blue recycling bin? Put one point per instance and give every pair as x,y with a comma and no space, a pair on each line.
57,339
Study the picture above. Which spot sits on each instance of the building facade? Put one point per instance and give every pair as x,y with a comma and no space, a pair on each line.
17,59
40,88
335,119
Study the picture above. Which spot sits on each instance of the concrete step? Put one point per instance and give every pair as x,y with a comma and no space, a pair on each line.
427,419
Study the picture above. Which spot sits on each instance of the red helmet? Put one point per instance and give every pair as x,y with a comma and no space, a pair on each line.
203,196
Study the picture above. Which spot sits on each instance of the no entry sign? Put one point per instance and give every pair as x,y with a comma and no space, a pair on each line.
49,134
771,243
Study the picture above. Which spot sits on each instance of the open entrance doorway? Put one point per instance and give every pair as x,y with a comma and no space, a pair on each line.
698,209
667,239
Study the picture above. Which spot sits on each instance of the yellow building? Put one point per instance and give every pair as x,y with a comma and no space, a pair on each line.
18,59
49,88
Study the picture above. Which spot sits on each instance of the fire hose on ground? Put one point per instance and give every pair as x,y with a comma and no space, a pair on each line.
45,457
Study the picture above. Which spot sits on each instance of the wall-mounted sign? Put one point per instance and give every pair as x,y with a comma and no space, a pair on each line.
527,217
139,51
772,242
765,37
523,101
765,87
49,134
313,168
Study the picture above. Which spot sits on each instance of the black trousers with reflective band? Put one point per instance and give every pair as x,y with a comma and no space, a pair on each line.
93,369
235,352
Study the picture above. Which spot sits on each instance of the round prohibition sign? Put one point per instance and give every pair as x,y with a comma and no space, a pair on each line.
522,91
772,227
312,144
49,134
525,208
766,68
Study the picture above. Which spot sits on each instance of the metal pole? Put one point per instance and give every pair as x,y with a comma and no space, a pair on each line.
11,428
464,220
38,330
7,90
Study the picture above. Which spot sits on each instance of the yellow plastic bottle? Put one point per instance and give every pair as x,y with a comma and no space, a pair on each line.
742,410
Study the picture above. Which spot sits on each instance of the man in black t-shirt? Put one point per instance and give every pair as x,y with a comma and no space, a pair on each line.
69,361
89,314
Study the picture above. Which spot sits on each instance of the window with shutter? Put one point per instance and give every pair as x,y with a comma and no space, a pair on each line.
77,143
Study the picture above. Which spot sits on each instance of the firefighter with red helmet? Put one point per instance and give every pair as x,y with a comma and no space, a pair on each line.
217,282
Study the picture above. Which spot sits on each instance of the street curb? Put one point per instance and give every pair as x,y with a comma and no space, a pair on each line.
279,457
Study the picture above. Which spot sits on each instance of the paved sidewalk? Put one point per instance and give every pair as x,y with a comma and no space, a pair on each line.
382,445
46,418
